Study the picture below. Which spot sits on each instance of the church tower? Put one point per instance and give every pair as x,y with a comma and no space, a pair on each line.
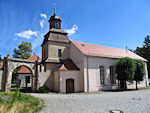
55,21
55,46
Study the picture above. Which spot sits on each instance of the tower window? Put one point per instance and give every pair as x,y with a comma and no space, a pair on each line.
59,53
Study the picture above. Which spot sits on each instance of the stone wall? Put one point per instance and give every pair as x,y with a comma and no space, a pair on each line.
10,64
1,74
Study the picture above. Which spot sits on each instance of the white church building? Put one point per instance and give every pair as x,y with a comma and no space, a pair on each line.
72,66
68,66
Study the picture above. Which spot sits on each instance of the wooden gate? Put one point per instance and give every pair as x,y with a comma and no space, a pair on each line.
69,86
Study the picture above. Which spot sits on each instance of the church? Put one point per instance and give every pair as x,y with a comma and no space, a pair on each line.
69,66
72,66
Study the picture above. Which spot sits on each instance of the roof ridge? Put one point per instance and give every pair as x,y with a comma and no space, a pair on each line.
104,51
98,45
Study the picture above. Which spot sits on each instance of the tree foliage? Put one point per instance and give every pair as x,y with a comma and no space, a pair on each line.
16,70
139,71
0,58
23,51
145,51
125,70
128,69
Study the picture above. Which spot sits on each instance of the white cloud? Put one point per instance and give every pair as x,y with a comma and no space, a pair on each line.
44,16
37,41
43,20
72,30
42,23
27,34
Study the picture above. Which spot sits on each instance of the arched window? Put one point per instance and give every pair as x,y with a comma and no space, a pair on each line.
102,75
112,78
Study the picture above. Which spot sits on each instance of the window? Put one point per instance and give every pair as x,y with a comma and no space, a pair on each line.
102,79
59,52
27,79
112,78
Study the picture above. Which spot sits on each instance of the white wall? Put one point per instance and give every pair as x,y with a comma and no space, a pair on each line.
73,74
42,76
22,77
94,74
78,58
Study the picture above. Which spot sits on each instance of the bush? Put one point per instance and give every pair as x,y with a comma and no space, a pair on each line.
43,90
16,102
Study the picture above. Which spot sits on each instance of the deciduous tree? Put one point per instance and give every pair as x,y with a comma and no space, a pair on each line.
139,71
125,70
23,51
145,51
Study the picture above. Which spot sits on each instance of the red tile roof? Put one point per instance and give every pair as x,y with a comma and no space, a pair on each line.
24,69
102,51
34,57
52,60
68,65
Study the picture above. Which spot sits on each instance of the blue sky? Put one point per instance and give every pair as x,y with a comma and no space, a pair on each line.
115,23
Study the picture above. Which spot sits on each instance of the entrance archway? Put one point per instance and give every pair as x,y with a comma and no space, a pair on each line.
10,64
22,78
69,86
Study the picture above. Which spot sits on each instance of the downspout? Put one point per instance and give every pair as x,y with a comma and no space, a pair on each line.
87,74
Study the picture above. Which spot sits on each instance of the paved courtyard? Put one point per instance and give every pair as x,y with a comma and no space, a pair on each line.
128,102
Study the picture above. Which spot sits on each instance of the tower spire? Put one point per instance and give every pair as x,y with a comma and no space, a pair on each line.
55,21
54,9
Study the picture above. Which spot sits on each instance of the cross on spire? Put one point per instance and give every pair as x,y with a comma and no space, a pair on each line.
54,9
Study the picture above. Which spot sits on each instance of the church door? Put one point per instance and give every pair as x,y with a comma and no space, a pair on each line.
69,86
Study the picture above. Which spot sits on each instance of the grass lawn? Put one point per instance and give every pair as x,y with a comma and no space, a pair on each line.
16,102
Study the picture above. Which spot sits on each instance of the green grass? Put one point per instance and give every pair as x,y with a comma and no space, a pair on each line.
16,102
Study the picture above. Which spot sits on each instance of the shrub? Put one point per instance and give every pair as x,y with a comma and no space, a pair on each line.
16,102
43,90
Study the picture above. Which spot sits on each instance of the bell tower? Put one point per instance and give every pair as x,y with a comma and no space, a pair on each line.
55,21
55,45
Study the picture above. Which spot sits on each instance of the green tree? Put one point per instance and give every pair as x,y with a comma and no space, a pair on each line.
145,51
24,50
139,71
125,70
1,58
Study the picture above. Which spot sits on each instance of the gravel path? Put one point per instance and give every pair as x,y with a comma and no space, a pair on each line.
128,102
